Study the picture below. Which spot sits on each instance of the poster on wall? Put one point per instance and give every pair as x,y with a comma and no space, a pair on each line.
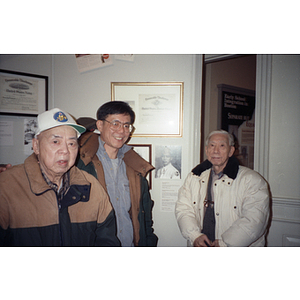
237,116
169,194
125,57
88,62
6,133
30,128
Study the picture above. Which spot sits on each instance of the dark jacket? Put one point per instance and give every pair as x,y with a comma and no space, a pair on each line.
30,216
136,170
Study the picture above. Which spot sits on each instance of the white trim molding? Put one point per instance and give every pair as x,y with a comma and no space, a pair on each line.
195,115
286,210
262,114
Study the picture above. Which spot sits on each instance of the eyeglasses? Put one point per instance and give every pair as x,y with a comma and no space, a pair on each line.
116,125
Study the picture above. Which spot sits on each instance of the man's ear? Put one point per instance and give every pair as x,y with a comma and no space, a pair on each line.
99,125
35,146
206,150
232,149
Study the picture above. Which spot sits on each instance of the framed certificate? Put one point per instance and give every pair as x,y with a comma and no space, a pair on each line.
22,93
158,106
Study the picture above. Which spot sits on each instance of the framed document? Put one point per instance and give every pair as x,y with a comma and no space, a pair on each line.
145,151
22,93
158,106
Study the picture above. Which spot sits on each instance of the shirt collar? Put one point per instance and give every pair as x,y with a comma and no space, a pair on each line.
219,175
125,148
64,185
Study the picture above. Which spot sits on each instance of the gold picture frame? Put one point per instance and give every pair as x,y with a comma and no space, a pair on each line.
158,106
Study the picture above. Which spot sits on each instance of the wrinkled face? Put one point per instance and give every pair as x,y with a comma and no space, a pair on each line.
218,151
56,149
114,139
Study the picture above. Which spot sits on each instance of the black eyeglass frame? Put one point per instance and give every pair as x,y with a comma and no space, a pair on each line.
130,126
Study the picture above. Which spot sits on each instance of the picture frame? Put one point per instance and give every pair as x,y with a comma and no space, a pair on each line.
158,106
145,151
168,161
23,94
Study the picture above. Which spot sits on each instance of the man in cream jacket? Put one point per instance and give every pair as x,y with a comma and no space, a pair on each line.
222,203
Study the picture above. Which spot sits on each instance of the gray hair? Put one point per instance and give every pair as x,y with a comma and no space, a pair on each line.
221,131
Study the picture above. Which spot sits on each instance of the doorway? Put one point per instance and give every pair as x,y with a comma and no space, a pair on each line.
236,71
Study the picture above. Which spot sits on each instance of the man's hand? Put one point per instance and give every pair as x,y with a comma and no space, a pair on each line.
200,241
215,243
4,167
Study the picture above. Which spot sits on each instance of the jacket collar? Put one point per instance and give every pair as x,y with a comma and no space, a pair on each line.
231,169
38,185
121,152
37,182
89,144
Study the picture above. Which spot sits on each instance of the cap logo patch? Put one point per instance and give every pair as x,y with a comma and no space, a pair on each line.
60,117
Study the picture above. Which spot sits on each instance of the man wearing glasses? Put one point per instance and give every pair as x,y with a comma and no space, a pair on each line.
121,171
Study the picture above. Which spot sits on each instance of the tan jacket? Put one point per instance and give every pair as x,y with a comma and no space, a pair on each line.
30,215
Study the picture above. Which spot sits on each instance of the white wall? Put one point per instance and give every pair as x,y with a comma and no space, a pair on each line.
284,140
285,124
82,94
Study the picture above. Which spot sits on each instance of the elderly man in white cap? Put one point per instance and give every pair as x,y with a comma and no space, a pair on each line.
47,201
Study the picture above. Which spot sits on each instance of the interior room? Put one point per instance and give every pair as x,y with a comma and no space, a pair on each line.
80,85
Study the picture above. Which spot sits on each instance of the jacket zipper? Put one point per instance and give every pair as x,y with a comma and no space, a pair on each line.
59,223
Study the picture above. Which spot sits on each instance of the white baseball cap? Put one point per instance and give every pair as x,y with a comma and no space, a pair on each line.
56,117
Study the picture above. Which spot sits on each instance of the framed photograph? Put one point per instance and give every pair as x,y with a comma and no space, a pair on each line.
22,93
145,151
158,106
168,161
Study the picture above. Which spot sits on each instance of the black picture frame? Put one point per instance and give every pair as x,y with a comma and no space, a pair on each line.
23,94
145,151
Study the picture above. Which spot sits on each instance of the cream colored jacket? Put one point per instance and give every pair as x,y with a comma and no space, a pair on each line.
241,206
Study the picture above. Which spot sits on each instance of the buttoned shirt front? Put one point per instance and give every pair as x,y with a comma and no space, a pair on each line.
59,190
215,177
117,185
